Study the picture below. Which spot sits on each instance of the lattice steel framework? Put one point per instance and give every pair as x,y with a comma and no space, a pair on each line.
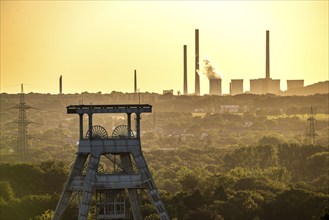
106,189
311,135
22,122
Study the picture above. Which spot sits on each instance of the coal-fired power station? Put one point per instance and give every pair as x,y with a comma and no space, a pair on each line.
257,86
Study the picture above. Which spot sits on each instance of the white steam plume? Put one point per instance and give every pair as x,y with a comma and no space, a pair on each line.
209,70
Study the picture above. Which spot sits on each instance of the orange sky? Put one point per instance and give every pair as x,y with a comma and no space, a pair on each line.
97,45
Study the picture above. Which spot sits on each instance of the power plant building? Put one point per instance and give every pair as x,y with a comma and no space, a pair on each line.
263,86
168,91
267,84
215,86
291,84
236,86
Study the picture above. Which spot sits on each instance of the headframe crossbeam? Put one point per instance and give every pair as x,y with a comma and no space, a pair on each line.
91,109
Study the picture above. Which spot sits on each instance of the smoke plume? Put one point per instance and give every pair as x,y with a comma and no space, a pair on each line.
209,70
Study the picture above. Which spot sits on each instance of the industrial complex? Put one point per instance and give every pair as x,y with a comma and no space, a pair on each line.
257,86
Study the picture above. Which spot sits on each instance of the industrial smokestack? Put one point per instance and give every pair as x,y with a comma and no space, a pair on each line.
135,81
185,70
267,54
215,86
60,85
197,79
22,89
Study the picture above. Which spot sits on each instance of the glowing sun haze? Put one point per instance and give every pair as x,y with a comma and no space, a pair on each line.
97,45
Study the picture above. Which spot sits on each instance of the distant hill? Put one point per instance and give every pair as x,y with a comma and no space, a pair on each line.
320,87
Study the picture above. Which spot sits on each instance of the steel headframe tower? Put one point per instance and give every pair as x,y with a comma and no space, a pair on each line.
128,170
311,135
22,121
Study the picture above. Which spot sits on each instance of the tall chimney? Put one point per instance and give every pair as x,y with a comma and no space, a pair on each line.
60,85
135,81
185,70
267,54
197,79
22,90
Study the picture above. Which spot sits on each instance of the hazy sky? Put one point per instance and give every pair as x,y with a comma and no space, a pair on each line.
97,45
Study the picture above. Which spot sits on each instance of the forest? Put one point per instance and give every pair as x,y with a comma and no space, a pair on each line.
239,157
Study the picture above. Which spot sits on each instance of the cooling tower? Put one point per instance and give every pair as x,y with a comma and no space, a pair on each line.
291,84
215,86
236,86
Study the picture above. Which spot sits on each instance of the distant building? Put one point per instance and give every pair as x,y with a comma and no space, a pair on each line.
236,86
291,84
171,91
